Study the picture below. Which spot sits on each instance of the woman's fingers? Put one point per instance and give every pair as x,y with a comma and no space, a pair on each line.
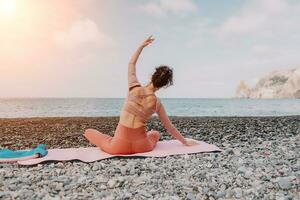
150,38
191,142
148,41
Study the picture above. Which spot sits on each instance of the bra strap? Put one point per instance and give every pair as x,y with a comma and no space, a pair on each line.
142,95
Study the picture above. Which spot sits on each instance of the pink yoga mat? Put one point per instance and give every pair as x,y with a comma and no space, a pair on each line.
91,154
18,159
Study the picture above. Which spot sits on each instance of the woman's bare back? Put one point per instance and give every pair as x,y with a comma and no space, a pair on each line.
131,120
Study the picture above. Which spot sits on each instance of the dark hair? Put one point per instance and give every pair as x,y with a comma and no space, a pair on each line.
162,77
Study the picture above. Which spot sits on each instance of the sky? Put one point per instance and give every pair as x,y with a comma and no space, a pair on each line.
81,48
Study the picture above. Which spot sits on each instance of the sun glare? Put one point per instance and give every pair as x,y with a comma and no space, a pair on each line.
7,8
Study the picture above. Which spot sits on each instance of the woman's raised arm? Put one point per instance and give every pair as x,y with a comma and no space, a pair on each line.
132,78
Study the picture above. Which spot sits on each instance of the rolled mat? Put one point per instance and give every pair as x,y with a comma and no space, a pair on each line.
91,154
7,155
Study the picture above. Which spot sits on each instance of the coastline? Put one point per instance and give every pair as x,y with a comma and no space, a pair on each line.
260,160
66,132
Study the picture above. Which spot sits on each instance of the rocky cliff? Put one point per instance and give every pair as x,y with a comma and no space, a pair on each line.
277,84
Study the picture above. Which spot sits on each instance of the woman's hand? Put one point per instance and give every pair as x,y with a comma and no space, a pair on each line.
148,41
191,142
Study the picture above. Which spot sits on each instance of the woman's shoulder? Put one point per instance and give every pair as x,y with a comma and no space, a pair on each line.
135,90
157,103
141,91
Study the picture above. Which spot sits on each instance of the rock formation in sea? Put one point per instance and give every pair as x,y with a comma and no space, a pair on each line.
277,84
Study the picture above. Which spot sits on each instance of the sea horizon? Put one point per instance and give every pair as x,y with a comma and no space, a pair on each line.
184,107
157,96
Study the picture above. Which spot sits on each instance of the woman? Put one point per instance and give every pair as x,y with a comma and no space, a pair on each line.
131,135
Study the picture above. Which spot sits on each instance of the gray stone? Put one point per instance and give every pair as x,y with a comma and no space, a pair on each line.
123,170
95,168
284,183
103,187
132,171
3,194
60,165
145,193
111,183
127,195
242,169
237,152
199,196
228,151
238,192
220,194
191,196
248,174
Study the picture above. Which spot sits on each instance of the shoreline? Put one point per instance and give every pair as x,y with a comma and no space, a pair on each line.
64,132
260,161
171,116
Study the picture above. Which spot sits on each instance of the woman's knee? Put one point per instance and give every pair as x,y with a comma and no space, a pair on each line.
92,133
97,138
155,135
89,131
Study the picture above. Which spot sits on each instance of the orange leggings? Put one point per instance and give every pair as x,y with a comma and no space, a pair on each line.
126,140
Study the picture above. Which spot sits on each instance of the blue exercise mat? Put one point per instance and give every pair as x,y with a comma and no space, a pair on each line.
7,153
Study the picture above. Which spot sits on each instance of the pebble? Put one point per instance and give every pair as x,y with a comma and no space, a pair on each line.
111,183
228,151
191,196
284,183
123,170
248,174
221,194
60,165
95,167
259,163
127,195
238,192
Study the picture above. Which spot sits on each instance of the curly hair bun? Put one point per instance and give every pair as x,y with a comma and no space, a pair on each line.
162,77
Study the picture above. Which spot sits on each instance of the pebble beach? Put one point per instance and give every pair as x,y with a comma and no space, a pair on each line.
260,160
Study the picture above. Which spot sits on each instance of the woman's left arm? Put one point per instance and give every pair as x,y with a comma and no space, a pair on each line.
132,78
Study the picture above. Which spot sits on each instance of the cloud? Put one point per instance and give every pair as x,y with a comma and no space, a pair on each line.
83,32
201,31
153,9
260,17
265,52
163,8
267,58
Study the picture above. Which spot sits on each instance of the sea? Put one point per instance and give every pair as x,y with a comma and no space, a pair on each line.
93,107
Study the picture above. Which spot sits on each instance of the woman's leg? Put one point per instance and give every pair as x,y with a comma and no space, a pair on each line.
107,143
153,137
97,138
